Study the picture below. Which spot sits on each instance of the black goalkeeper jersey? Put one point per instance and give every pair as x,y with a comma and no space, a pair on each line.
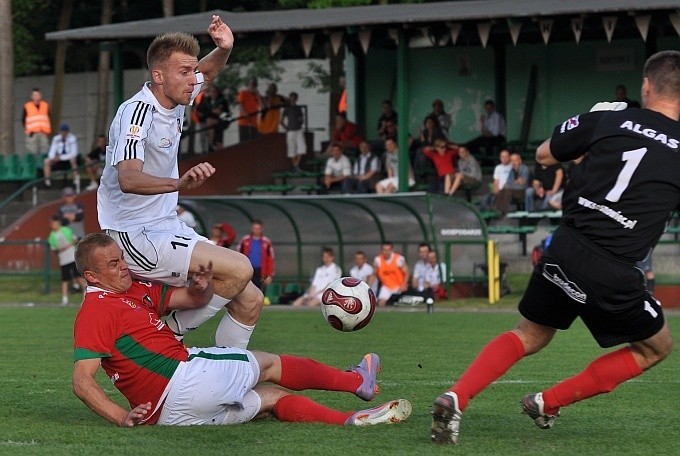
624,192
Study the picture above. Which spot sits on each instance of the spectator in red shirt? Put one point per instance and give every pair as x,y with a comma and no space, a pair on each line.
444,158
260,251
345,133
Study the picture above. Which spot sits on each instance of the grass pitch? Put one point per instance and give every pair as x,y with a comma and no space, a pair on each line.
422,355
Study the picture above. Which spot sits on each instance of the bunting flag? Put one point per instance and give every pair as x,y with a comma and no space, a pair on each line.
455,31
394,35
365,39
609,23
277,41
484,28
307,41
336,41
546,28
675,20
642,23
577,28
514,31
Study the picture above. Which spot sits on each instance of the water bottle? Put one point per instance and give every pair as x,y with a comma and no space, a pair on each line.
430,305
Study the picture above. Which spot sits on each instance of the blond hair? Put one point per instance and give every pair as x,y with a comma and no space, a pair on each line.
163,46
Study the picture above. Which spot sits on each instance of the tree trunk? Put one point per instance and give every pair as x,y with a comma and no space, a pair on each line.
60,65
168,8
102,119
6,79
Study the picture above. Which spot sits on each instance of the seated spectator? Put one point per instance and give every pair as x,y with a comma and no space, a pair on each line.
622,95
362,270
63,155
433,278
469,171
442,118
93,160
391,183
427,272
72,213
387,123
338,170
272,103
346,133
444,158
186,216
548,184
427,137
365,171
515,186
392,272
500,177
420,267
222,234
492,126
213,111
323,276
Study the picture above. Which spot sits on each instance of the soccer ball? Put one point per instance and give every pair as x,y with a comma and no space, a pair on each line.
348,304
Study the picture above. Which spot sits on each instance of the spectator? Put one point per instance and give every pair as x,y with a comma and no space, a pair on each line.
186,216
391,183
443,119
622,95
444,158
292,121
346,133
515,186
63,155
433,279
500,177
260,251
547,186
342,101
213,111
222,234
338,170
36,120
427,137
387,121
63,242
365,171
323,276
250,102
392,272
93,159
492,126
469,171
362,270
272,103
646,267
71,213
420,268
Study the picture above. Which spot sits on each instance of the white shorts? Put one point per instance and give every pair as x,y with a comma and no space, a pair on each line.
386,293
395,182
215,386
161,253
295,141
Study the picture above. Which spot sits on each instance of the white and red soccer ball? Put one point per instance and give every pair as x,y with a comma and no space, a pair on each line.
348,304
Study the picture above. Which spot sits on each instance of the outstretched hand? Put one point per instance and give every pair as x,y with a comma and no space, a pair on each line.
136,415
202,279
196,176
221,34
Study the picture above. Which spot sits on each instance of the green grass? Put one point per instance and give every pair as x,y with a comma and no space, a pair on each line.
422,355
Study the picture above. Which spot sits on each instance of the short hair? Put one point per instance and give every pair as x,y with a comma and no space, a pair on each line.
35,89
55,218
257,222
293,94
328,250
489,102
389,102
663,72
342,114
387,243
163,46
424,244
86,248
360,252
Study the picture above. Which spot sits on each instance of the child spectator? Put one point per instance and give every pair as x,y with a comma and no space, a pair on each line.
62,242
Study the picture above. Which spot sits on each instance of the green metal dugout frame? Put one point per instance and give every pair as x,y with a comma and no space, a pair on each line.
300,226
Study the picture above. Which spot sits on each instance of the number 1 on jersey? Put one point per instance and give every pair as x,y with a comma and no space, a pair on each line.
632,159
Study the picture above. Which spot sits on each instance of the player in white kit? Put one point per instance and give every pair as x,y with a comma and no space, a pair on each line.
139,188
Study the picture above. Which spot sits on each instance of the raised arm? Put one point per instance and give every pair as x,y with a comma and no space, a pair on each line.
211,64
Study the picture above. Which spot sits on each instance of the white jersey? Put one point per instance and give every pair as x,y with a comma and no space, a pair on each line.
142,129
323,276
362,273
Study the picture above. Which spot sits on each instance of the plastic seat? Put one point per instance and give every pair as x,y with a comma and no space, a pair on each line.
273,292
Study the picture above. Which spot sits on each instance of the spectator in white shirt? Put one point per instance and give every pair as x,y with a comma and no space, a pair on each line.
338,169
324,275
492,127
500,177
186,216
362,270
63,155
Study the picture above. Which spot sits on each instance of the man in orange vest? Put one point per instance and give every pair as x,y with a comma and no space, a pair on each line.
250,103
392,271
36,119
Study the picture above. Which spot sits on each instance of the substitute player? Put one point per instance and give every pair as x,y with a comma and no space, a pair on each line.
119,328
616,207
137,197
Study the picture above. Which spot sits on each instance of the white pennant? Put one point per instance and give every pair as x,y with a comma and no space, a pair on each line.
577,28
455,31
642,23
484,28
277,41
365,39
514,32
675,20
307,41
546,28
336,41
394,35
609,23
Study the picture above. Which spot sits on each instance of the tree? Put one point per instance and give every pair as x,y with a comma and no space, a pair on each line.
102,118
60,64
6,78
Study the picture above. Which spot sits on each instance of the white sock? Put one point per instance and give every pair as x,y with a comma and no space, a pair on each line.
231,333
183,321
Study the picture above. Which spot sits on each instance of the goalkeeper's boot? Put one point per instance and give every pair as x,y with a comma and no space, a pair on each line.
389,413
368,368
533,406
446,415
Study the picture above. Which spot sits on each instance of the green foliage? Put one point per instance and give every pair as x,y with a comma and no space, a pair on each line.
246,63
29,19
316,77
